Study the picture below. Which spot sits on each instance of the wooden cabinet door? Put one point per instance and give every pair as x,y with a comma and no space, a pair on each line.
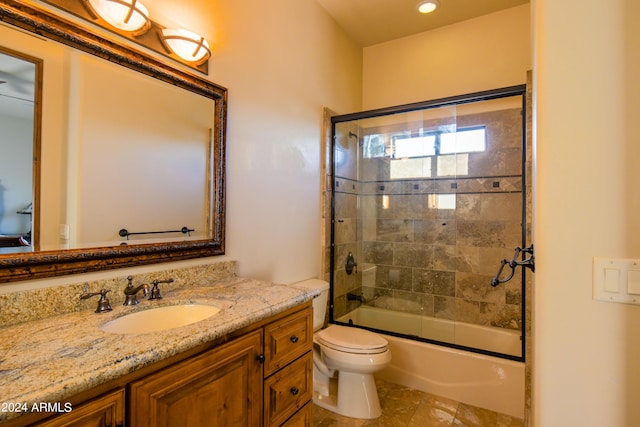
221,387
104,411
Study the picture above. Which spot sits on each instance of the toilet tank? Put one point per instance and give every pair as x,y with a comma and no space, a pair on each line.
319,302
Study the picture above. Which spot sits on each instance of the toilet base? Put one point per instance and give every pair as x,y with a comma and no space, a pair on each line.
359,396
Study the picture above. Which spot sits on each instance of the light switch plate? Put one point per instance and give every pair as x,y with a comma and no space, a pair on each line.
615,280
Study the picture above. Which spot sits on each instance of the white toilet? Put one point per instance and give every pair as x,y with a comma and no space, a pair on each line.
344,360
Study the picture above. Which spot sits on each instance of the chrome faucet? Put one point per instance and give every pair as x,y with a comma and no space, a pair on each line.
155,291
131,293
103,303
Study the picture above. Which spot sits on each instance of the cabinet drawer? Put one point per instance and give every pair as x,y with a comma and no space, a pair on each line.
287,339
302,418
288,390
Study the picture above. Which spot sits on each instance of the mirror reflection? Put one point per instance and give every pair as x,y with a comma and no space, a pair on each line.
17,122
137,155
131,153
127,151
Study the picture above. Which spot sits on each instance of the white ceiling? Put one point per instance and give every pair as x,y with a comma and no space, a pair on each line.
370,22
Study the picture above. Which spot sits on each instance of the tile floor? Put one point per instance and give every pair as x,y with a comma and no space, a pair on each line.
402,406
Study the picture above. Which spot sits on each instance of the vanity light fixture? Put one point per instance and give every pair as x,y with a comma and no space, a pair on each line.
428,6
125,15
189,46
130,19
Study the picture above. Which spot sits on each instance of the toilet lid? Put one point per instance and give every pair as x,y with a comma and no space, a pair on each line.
351,340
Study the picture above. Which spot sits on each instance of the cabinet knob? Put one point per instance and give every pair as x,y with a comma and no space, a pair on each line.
294,390
260,358
294,339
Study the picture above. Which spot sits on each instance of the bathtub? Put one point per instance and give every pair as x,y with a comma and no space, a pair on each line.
480,380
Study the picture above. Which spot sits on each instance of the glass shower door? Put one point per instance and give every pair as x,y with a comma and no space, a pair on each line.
426,203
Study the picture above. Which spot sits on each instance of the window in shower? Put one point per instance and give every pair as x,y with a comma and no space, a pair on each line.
429,198
463,141
459,141
414,146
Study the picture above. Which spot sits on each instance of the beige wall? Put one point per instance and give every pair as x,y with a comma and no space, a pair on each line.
586,201
283,61
485,53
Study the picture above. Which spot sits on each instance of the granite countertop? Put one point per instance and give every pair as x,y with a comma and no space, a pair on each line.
52,359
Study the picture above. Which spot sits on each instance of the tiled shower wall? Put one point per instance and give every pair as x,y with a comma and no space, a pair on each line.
435,262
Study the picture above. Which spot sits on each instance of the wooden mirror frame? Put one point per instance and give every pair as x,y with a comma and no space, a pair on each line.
37,265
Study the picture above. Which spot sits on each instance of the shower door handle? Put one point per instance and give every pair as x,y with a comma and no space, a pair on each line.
527,262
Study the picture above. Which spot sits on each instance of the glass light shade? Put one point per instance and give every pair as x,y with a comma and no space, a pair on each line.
428,6
126,15
186,44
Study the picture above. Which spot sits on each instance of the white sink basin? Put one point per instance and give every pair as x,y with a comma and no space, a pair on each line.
160,319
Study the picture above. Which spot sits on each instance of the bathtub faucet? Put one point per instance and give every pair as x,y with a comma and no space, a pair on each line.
355,297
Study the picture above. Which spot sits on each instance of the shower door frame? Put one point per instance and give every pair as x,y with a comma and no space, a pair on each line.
517,90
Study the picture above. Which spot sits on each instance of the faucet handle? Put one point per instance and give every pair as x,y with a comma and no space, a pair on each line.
103,303
155,291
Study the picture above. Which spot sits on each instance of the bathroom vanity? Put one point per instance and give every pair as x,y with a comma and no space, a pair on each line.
249,365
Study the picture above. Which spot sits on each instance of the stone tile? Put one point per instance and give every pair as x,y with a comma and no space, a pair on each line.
444,307
434,282
504,420
398,404
477,287
406,407
369,228
377,252
489,260
445,258
435,231
346,205
394,230
501,315
412,255
513,290
345,230
434,411
468,206
392,277
501,207
468,259
468,311
472,416
323,418
481,233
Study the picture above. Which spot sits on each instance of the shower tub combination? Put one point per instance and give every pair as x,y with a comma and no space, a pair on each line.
485,381
424,197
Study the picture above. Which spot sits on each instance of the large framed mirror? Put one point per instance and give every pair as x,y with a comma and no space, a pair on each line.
127,160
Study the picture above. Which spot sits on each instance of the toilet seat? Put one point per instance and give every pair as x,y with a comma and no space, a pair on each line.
351,340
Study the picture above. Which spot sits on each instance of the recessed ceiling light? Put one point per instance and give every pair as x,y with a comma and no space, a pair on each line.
428,6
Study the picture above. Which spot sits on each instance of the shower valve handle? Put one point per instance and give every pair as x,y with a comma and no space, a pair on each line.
351,265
